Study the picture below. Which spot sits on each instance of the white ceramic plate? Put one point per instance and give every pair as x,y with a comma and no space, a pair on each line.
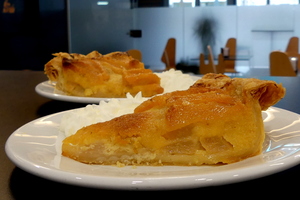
35,147
47,89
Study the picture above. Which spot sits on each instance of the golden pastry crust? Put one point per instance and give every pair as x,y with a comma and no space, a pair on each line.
97,75
217,120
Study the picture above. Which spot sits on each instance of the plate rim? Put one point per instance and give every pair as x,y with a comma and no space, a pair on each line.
148,183
76,99
67,98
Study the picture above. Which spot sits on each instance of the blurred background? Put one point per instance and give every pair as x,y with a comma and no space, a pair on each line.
31,30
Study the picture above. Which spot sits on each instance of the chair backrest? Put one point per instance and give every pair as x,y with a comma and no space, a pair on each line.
292,48
231,44
136,54
221,64
211,59
204,68
169,54
280,64
211,67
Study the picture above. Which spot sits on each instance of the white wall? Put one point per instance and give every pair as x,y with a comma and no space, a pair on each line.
158,25
225,26
249,24
105,29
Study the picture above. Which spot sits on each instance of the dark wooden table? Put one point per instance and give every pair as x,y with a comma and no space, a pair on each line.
20,104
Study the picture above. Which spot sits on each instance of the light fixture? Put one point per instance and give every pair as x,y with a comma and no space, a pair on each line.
102,3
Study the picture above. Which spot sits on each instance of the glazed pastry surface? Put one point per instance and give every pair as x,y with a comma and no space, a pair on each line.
96,75
217,120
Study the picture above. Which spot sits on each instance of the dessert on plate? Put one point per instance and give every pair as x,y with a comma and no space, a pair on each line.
95,75
217,120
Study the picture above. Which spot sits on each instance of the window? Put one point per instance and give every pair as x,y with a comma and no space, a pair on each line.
192,3
182,3
251,2
213,2
265,2
279,2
